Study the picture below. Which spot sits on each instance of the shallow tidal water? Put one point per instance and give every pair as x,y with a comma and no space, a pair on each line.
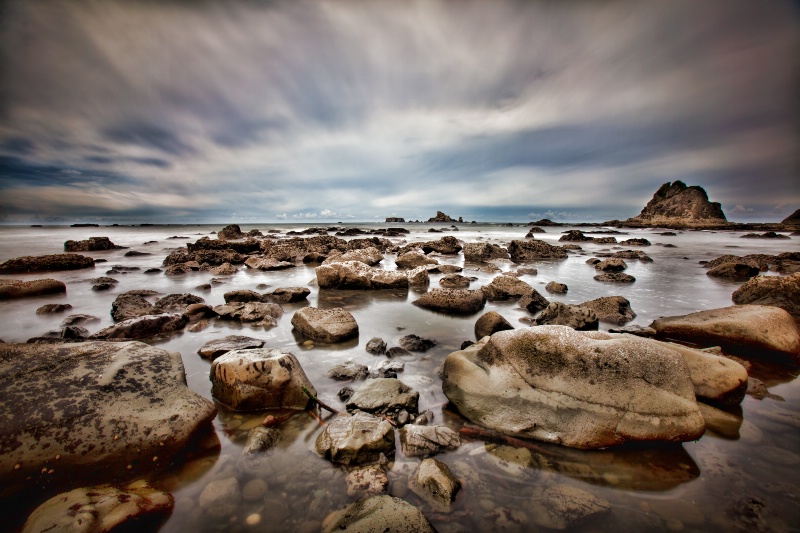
743,474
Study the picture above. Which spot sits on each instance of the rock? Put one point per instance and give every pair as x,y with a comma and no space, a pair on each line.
45,263
290,294
417,440
221,497
414,343
575,236
716,379
74,320
605,240
259,378
92,244
459,301
101,508
574,316
478,252
556,287
267,263
614,309
766,235
135,253
354,439
17,288
214,348
445,269
564,506
413,259
526,271
355,275
635,242
536,229
778,291
396,351
370,256
615,277
177,302
418,277
793,219
376,346
533,302
255,490
387,369
98,406
386,396
348,370
579,389
199,311
102,287
613,264
454,281
379,513
749,330
260,440
434,483
130,305
242,296
633,254
733,271
225,269
254,313
231,233
639,331
142,327
490,323
367,480
676,205
505,287
325,325
441,217
446,245
533,249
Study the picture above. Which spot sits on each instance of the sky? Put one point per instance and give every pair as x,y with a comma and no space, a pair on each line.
244,111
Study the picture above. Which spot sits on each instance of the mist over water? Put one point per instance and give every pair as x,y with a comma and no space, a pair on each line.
699,485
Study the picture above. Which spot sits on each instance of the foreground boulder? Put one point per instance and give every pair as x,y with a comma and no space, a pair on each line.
260,378
101,508
325,325
579,389
98,406
45,263
459,301
741,329
778,291
356,275
379,513
142,327
354,439
16,288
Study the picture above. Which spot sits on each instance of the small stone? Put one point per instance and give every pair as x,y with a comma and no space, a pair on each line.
253,519
376,346
254,490
556,287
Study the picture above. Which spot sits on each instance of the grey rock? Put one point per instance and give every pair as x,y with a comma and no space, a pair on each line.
459,301
415,343
386,396
574,316
142,327
355,439
420,440
325,325
348,370
376,346
217,347
563,506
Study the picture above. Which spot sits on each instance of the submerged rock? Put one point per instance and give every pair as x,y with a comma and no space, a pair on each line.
434,483
563,506
379,513
460,301
580,389
97,406
17,288
325,325
367,480
778,291
354,439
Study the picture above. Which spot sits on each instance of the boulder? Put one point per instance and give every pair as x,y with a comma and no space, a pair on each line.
260,378
325,325
579,389
615,309
379,513
562,506
478,252
454,281
416,440
533,302
458,301
504,287
253,313
131,305
267,263
434,483
289,294
446,245
778,291
16,288
615,277
490,323
45,263
369,256
635,242
177,302
101,508
348,371
367,480
748,330
574,316
613,264
142,327
575,235
354,439
413,259
98,406
676,205
92,244
605,240
242,296
556,287
733,271
387,396
415,343
48,309
633,254
225,269
376,346
534,249
75,320
231,233
418,277
355,275
214,348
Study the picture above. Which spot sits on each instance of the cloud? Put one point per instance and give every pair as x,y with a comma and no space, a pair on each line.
740,209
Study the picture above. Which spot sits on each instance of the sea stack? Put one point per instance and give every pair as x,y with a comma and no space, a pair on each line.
678,205
792,220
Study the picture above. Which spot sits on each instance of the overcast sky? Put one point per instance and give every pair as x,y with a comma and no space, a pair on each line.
145,111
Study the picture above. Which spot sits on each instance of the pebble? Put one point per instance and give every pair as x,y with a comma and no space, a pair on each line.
253,519
254,490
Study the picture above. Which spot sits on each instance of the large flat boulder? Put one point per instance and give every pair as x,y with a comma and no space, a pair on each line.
45,263
533,249
741,329
325,325
142,327
92,244
16,288
457,301
355,275
780,291
96,406
579,389
354,439
214,348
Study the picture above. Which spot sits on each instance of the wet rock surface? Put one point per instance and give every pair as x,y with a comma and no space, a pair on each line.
574,316
490,323
354,439
505,287
214,348
387,396
379,513
458,301
15,288
45,263
417,440
325,325
778,291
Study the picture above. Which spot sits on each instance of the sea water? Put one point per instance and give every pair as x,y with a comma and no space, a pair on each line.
742,475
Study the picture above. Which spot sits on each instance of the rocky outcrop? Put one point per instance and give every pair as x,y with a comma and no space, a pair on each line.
792,220
574,316
260,378
92,244
355,275
778,291
45,263
534,249
101,508
97,406
614,309
369,256
355,439
504,287
252,313
413,259
441,217
379,513
749,330
579,389
676,205
446,245
231,233
325,325
457,301
478,252
11,289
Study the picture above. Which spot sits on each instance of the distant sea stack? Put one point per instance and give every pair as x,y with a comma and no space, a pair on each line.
395,219
441,217
793,219
676,204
